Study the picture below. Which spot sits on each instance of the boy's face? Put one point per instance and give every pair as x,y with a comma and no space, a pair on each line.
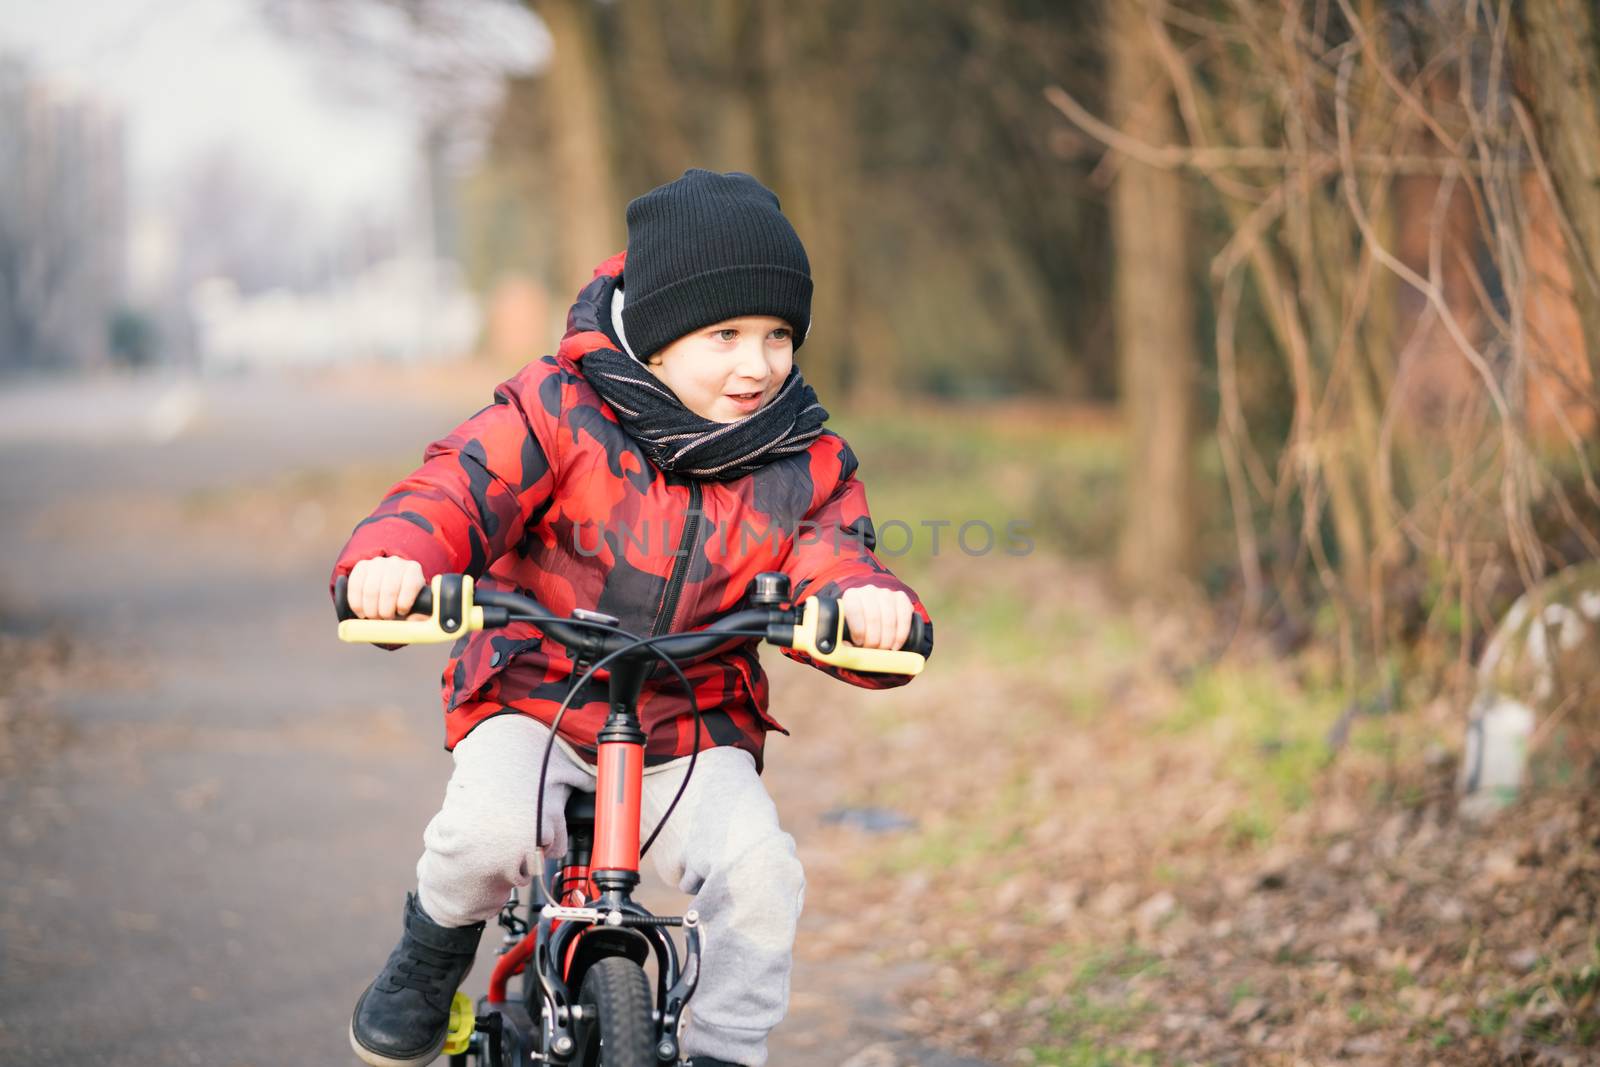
729,370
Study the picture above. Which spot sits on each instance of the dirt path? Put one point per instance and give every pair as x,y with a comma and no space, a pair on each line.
212,808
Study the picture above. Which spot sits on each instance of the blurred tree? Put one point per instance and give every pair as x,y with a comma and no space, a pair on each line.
1154,314
581,151
62,223
233,221
446,62
1387,330
1558,53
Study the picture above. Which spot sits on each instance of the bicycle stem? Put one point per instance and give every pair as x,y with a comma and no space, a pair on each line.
614,866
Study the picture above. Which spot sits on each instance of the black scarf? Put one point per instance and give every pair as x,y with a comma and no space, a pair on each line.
676,439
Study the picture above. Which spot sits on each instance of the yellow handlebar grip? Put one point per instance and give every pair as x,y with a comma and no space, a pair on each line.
882,660
422,632
848,656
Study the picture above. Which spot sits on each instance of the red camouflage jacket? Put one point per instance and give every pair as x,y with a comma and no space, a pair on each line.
542,492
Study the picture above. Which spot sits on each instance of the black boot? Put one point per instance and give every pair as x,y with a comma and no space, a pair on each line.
404,1016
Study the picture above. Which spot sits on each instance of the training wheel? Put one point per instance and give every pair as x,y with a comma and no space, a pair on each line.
462,1022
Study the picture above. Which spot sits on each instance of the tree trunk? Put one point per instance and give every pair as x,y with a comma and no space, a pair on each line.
582,171
806,136
1154,320
1558,53
654,92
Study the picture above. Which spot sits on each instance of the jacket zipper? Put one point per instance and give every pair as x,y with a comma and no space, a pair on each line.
680,566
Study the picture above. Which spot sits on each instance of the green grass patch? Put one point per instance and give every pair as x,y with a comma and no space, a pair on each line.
1099,1005
1545,1008
983,840
942,848
1087,1053
1274,734
1060,480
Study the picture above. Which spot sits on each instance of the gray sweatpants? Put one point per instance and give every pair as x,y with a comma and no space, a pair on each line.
723,845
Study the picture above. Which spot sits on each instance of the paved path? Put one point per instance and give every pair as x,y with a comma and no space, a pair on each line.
213,866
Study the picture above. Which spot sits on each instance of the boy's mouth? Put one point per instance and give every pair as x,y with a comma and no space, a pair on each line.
745,403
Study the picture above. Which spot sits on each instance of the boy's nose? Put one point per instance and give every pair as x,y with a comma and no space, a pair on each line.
752,362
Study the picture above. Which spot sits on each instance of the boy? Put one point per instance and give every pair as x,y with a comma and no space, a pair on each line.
667,453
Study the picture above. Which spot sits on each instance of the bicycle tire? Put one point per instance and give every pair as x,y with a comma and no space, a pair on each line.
618,1029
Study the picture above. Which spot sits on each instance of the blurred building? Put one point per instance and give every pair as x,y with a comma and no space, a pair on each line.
63,228
404,310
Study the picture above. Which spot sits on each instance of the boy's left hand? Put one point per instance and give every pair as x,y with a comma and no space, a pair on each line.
876,617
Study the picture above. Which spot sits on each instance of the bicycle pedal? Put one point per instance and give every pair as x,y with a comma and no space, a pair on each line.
463,1021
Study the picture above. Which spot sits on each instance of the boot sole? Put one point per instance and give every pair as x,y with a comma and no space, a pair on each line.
378,1059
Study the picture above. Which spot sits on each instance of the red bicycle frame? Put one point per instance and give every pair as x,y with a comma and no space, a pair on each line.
613,866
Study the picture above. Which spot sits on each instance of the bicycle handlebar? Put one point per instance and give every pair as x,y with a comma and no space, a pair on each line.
815,627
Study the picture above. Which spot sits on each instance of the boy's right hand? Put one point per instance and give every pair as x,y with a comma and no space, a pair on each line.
385,587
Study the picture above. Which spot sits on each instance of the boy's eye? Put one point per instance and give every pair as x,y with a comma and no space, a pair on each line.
727,334
782,333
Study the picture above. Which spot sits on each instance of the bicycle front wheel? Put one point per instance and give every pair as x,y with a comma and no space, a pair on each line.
618,1030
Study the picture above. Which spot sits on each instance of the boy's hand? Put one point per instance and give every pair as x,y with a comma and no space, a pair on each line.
385,588
876,617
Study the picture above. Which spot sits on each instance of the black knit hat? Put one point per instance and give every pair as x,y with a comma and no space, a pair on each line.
709,247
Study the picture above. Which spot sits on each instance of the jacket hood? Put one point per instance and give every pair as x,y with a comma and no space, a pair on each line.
589,318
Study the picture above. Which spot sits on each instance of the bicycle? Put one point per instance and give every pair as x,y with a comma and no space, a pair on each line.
580,928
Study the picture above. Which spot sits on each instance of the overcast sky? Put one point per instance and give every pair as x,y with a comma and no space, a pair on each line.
190,75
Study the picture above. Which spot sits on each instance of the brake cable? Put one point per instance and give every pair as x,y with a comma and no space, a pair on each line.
578,686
